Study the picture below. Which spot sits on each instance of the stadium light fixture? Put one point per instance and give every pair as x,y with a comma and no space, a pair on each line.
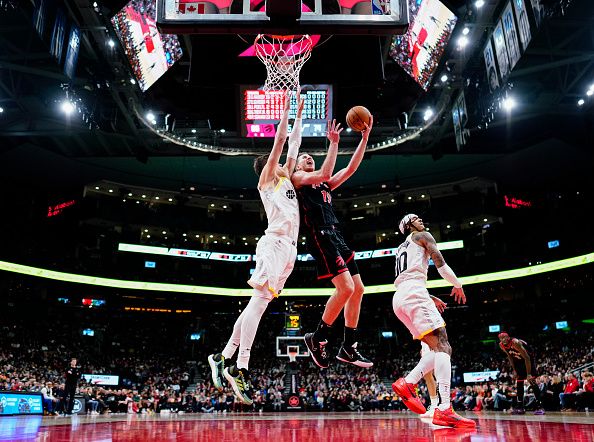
349,129
150,116
193,131
590,92
462,41
67,107
1,109
479,3
428,114
444,78
223,131
509,103
111,43
581,102
466,30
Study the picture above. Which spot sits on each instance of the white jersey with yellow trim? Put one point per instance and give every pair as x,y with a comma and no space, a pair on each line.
282,209
412,262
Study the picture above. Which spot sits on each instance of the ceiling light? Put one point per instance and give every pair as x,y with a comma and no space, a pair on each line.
170,199
184,234
224,207
355,205
223,131
224,237
164,232
509,103
423,196
448,226
444,78
148,236
111,43
383,234
485,219
379,202
465,31
581,102
471,223
132,81
156,197
145,230
410,197
130,194
110,190
67,107
462,41
211,236
245,243
193,131
392,200
215,241
150,116
428,114
197,236
96,187
1,110
244,238
366,204
479,3
144,196
212,205
349,129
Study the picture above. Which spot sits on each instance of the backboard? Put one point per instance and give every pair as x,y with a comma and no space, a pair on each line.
291,344
372,17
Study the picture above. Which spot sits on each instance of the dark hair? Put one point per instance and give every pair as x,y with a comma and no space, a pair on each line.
259,163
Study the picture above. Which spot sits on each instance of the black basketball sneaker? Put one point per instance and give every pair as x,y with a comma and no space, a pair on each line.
317,349
351,355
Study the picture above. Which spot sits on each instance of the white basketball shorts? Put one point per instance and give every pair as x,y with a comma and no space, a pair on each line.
275,259
413,306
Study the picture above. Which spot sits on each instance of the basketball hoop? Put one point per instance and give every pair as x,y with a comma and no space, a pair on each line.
292,351
283,56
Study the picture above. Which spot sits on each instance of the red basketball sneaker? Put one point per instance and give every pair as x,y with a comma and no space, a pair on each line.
407,393
449,418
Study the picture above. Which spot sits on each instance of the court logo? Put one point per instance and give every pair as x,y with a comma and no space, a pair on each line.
77,406
290,194
293,401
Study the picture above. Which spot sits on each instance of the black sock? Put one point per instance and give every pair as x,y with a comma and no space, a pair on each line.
321,333
349,336
520,394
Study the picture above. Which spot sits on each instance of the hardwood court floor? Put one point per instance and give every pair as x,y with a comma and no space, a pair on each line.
296,427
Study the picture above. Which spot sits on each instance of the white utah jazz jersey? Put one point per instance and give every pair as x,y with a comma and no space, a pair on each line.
282,209
412,262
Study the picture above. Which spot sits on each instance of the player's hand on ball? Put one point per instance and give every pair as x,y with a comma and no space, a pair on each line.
334,131
458,294
441,306
365,132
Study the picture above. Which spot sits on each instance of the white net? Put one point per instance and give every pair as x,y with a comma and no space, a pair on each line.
283,56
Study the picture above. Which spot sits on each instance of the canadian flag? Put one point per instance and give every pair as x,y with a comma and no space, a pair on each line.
191,7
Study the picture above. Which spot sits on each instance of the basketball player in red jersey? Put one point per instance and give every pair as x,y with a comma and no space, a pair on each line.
414,307
334,259
275,254
518,355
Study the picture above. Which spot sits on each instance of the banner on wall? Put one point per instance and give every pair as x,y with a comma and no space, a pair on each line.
72,52
490,66
538,11
58,34
523,23
511,35
501,51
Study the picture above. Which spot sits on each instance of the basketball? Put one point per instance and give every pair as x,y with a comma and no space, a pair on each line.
357,116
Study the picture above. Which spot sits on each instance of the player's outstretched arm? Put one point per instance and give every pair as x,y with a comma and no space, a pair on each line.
301,178
295,137
426,240
267,174
344,174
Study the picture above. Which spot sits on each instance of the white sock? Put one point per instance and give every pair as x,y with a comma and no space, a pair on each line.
249,326
424,366
434,402
233,343
443,376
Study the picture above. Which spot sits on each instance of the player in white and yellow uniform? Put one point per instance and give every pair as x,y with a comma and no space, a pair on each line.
419,313
275,254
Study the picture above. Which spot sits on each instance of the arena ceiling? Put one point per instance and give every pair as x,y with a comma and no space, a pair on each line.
547,135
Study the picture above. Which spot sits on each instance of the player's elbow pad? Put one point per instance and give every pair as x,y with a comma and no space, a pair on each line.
448,274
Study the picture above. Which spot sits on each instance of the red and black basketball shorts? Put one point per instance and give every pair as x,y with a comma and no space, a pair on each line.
331,253
519,367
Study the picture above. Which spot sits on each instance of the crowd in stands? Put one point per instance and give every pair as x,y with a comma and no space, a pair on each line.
161,370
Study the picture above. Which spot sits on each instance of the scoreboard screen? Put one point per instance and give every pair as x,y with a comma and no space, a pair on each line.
293,321
261,110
